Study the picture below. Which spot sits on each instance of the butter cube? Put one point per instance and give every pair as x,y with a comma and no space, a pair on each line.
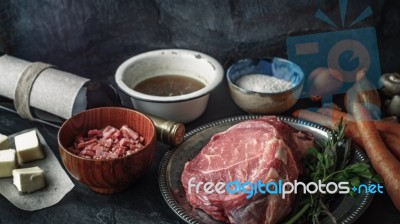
28,180
28,148
4,143
7,162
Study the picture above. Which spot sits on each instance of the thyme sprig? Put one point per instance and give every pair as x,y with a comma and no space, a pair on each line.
329,164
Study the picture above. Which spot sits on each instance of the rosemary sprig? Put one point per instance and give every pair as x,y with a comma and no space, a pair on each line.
330,164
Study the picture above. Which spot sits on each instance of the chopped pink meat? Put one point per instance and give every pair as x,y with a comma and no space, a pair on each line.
127,132
141,139
117,135
95,133
84,144
108,132
119,150
124,142
79,139
108,143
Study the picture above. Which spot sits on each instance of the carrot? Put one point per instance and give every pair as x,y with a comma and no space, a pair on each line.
365,133
323,120
384,162
314,117
331,122
388,127
383,126
393,143
351,131
336,114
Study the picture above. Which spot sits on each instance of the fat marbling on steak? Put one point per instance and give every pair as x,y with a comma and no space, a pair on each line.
264,149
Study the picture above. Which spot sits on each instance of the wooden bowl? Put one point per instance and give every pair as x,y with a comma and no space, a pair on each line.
101,175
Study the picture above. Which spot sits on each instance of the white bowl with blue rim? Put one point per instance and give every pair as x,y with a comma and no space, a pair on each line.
265,102
181,108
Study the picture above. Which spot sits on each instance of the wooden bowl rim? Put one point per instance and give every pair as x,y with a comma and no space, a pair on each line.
104,160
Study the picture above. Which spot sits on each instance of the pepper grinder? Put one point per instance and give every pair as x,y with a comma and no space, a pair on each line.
169,132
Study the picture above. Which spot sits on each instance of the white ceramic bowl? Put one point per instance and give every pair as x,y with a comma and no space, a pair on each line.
265,103
183,108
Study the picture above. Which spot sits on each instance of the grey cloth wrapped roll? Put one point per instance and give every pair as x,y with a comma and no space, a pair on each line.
24,86
57,92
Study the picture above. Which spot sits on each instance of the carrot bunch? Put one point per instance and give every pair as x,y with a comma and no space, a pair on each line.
380,140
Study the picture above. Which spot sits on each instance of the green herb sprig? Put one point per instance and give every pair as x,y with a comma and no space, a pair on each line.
330,164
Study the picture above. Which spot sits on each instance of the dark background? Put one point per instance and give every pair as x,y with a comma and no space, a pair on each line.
91,38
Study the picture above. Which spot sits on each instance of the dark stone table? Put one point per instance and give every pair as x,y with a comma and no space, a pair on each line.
143,202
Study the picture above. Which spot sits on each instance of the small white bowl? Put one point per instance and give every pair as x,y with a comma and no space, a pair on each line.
264,102
182,108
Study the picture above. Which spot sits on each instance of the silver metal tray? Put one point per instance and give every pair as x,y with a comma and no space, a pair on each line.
346,209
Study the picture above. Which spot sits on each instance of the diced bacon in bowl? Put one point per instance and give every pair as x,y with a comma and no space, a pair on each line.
108,143
107,161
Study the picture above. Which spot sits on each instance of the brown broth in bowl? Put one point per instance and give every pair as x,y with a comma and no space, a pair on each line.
169,85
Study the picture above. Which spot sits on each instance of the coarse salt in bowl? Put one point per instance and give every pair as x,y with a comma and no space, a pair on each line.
265,86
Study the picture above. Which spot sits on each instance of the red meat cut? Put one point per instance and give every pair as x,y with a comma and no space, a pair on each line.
265,149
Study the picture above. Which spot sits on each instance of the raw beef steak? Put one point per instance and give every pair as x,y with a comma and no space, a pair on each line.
265,149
